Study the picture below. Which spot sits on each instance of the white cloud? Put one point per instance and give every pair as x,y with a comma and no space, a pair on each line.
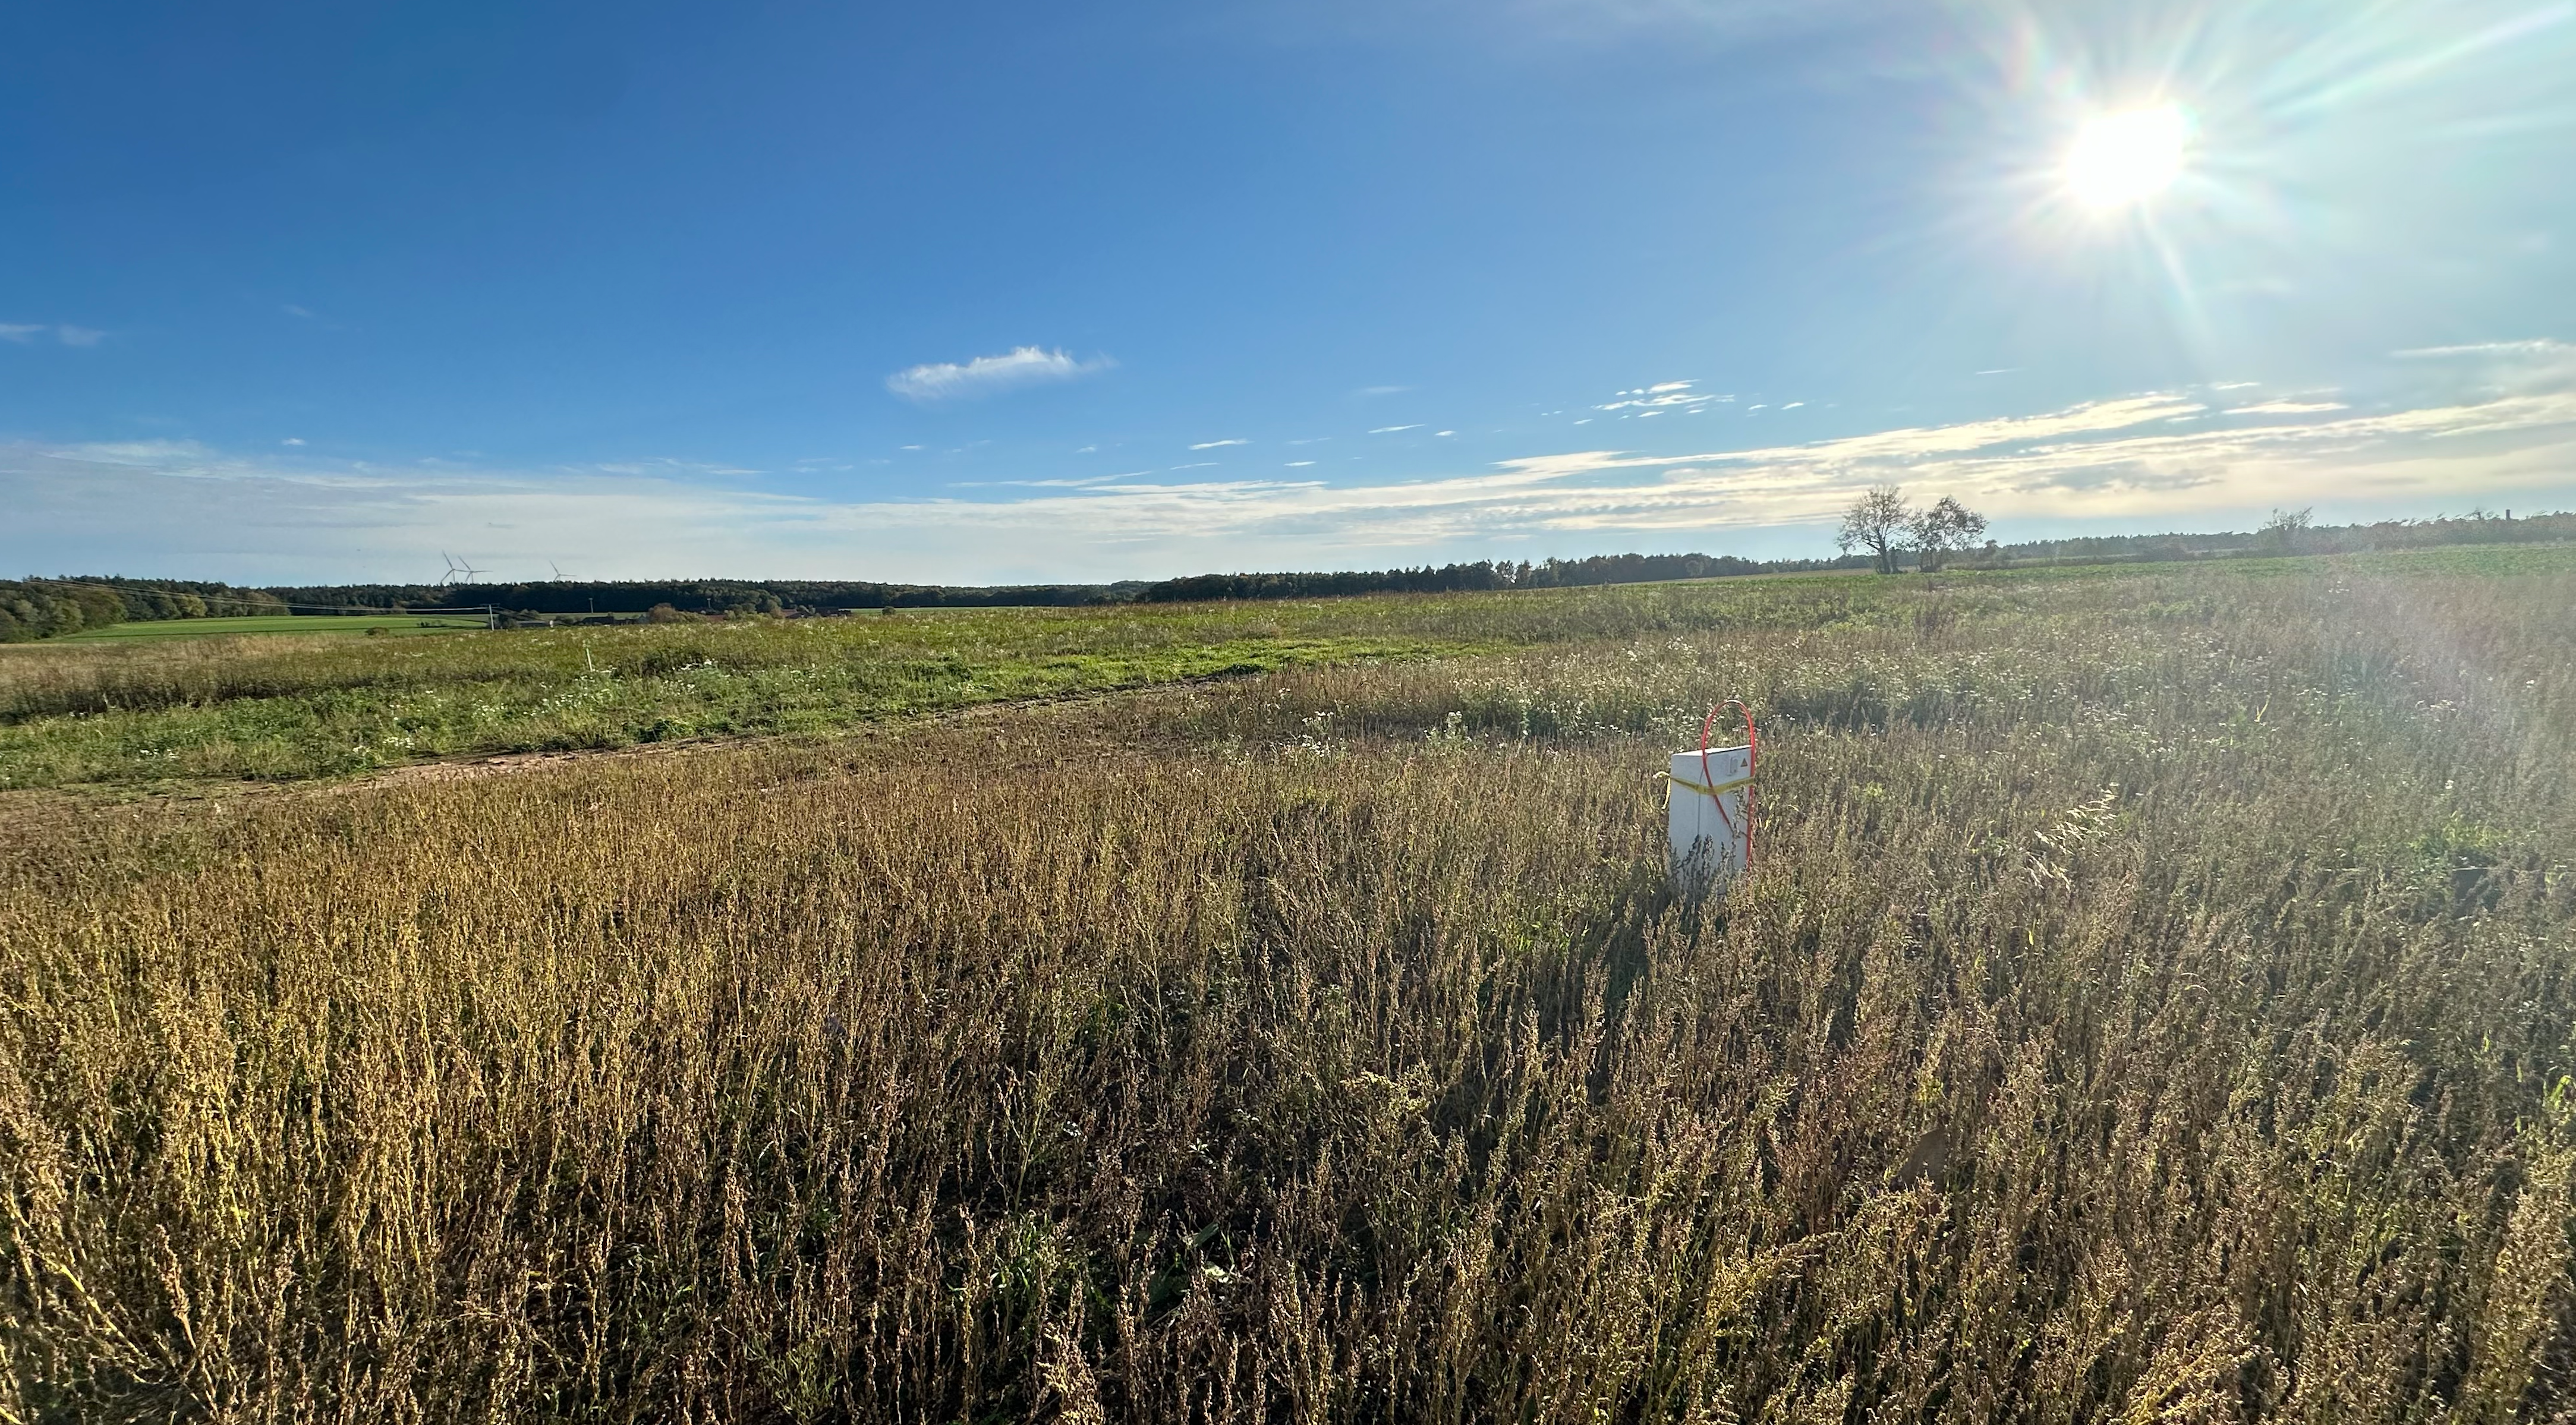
2286,408
1390,430
1219,444
2542,347
25,333
939,381
292,440
1660,397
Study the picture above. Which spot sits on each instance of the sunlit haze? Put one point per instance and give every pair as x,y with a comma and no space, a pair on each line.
1021,292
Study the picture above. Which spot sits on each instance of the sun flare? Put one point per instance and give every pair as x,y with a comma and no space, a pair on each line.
2124,158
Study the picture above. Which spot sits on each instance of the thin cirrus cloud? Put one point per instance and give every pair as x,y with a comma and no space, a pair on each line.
1220,444
2508,435
939,382
2286,408
26,333
1663,396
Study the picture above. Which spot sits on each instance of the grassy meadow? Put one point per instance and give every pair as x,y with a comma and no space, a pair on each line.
278,708
2153,1002
308,625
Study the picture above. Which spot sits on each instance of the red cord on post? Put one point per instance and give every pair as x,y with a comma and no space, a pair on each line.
1752,755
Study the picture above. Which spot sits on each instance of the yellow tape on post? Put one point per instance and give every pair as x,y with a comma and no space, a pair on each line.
1706,791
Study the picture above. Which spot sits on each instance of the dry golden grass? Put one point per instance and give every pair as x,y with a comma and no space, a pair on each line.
2153,1004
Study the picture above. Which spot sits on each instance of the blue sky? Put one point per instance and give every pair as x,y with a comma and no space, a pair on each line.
989,292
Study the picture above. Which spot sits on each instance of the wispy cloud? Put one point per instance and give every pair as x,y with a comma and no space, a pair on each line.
2287,408
1661,397
1390,430
659,465
1219,444
25,333
2539,347
938,381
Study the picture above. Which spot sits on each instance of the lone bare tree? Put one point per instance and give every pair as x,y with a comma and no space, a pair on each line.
1877,522
1943,530
2286,530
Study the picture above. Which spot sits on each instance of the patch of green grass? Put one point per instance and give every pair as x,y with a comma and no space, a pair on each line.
133,710
602,693
157,629
286,709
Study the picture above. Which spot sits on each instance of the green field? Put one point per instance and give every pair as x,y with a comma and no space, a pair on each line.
102,713
277,623
132,709
2154,1000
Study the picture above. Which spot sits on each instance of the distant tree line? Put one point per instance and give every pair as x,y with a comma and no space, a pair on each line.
45,608
1492,574
1890,534
2294,532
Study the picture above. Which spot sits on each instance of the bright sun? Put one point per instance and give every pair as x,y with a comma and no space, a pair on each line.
2119,159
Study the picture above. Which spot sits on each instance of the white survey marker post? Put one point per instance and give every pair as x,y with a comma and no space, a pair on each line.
1708,812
